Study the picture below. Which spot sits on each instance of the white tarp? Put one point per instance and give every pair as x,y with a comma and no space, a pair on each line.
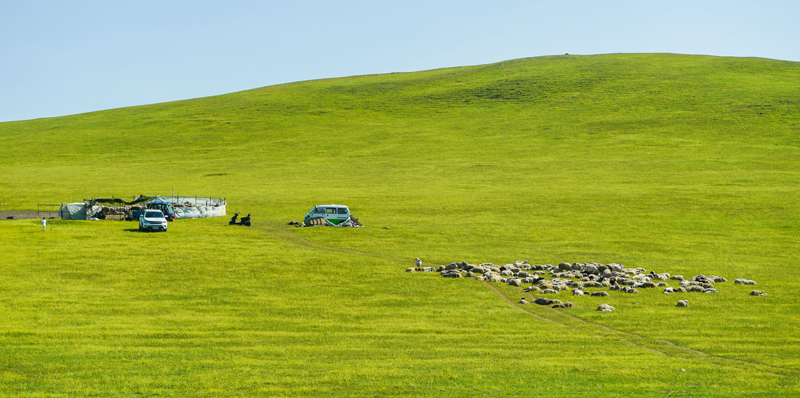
191,200
195,206
73,211
200,211
78,211
185,207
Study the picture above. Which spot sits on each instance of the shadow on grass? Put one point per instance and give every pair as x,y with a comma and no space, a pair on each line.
137,230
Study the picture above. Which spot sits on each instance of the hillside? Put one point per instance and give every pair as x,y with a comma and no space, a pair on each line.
673,163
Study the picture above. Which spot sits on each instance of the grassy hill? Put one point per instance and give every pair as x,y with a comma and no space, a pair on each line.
679,164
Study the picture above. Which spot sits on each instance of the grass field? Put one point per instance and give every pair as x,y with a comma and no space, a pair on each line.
674,163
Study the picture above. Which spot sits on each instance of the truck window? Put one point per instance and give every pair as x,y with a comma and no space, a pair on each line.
331,210
342,211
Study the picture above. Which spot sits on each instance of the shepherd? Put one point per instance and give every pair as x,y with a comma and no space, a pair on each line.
44,225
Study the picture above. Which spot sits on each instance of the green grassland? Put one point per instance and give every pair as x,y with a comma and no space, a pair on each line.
674,163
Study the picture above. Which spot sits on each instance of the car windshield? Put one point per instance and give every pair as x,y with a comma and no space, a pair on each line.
153,214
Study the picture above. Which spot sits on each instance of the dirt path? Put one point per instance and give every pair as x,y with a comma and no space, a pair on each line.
27,214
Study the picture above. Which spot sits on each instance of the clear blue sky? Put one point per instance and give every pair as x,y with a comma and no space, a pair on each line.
66,57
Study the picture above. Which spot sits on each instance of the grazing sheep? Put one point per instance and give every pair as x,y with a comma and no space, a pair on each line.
568,304
601,293
515,282
523,301
549,291
543,301
757,293
560,306
412,269
682,303
676,277
428,269
669,290
577,292
605,308
695,288
531,288
710,290
480,278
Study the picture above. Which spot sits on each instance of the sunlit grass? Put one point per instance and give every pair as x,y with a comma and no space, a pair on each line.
679,164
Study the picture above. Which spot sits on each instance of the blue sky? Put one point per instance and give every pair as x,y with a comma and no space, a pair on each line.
59,58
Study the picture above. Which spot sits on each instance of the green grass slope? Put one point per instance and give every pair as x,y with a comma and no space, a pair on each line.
680,164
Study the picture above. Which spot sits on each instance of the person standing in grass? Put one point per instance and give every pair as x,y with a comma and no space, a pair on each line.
44,225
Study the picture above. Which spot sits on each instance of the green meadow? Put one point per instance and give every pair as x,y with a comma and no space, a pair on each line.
674,163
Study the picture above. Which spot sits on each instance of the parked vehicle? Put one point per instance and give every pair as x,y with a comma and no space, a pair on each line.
244,220
166,208
135,213
324,214
152,220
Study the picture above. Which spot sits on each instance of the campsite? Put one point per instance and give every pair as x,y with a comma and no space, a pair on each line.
679,164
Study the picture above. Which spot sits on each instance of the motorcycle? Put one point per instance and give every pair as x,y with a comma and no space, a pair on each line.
244,221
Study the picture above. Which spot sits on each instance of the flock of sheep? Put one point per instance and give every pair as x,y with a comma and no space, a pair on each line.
577,277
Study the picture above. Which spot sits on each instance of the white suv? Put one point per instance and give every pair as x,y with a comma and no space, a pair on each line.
152,220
